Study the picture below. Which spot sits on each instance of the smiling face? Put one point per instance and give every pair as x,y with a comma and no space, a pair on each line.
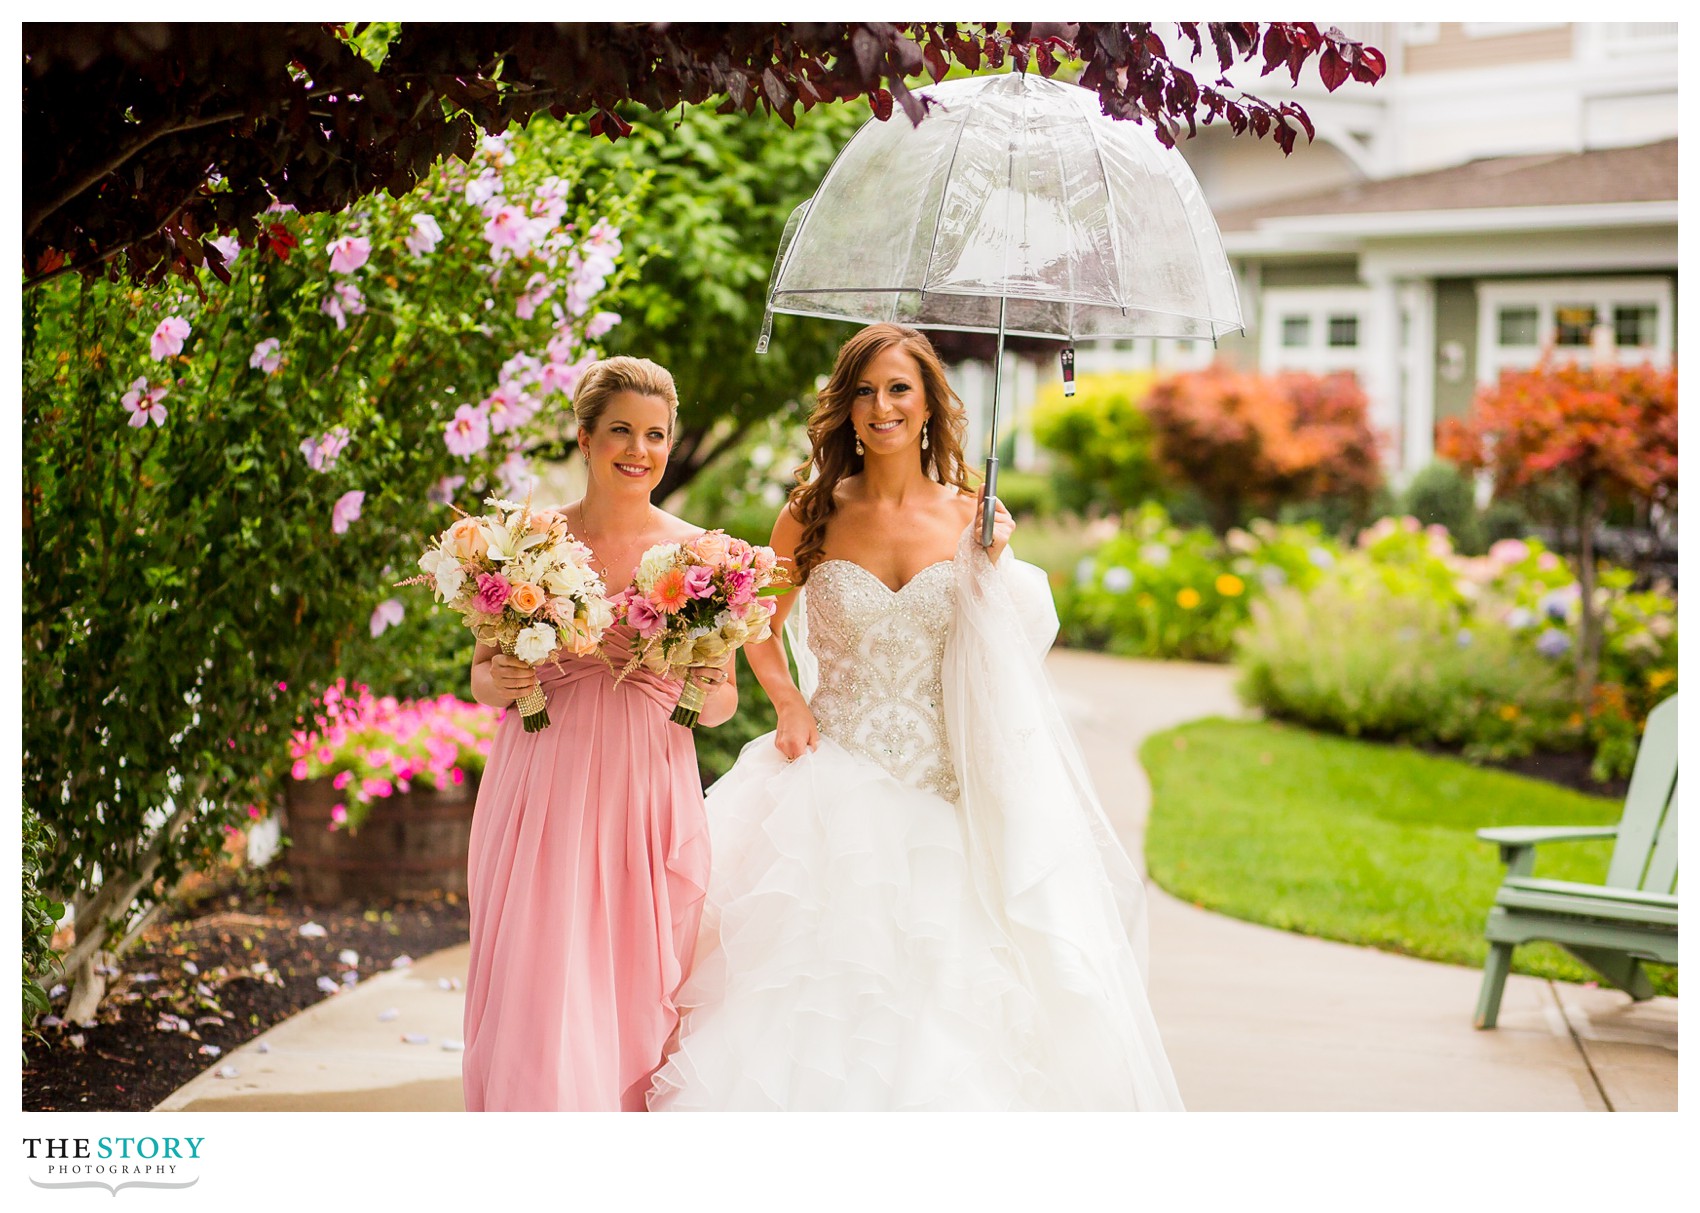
889,410
628,449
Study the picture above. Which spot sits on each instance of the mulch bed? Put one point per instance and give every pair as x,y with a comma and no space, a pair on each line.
226,964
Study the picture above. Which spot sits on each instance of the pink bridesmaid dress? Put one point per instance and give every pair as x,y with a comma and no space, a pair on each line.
586,878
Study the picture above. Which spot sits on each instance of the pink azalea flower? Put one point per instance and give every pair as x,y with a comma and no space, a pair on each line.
376,787
346,510
299,770
228,247
493,591
168,338
468,433
143,403
483,187
516,476
562,345
425,236
266,357
322,452
349,253
699,581
339,815
341,780
507,227
601,323
443,492
387,614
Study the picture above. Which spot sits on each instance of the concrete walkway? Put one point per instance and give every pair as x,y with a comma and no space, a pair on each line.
1254,1019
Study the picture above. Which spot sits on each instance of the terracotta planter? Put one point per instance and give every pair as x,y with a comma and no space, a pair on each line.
413,844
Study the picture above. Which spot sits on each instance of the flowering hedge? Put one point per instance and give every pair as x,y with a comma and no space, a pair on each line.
1404,638
373,747
1396,636
219,491
1159,590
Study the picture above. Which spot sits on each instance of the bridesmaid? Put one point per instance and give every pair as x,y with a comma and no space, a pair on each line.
589,846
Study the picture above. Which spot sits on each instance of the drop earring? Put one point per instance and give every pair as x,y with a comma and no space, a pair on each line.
923,437
859,444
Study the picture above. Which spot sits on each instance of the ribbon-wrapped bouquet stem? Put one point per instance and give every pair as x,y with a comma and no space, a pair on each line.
522,584
694,604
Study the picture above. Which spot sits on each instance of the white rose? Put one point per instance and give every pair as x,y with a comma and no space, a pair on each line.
655,562
598,615
445,568
535,643
568,579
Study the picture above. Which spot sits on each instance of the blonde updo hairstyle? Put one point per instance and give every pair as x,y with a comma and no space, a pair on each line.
604,380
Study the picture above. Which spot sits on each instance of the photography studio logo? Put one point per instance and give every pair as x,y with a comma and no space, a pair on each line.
113,1163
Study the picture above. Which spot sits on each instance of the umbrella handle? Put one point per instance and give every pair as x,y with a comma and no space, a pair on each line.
989,517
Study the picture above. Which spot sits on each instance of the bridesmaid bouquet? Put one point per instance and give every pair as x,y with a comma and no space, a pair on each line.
523,584
693,603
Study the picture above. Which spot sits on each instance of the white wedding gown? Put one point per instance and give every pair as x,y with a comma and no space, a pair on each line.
930,910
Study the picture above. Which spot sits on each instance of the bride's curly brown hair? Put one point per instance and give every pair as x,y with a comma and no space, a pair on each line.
832,441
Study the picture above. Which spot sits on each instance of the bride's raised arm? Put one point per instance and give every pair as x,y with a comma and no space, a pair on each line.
795,733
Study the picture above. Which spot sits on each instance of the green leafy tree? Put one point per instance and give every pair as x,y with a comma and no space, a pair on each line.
720,190
219,491
1103,440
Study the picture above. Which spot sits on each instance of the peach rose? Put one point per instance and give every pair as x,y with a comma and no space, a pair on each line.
764,559
468,539
526,598
712,547
541,521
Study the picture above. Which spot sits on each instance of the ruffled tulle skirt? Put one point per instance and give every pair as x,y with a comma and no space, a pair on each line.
849,959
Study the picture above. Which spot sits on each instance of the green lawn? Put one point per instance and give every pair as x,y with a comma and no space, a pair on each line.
1350,840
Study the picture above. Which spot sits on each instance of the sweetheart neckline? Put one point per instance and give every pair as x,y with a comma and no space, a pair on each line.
879,581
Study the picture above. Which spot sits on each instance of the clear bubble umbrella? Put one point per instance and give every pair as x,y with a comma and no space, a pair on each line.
1016,207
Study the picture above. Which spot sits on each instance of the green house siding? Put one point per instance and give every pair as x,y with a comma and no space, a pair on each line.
1312,273
1454,320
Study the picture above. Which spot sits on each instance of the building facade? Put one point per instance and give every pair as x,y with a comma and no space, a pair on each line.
1507,190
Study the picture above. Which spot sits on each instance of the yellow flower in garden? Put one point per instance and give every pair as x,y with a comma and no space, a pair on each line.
1229,586
1510,711
1188,598
1659,679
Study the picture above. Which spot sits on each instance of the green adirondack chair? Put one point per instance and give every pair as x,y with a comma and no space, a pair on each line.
1610,927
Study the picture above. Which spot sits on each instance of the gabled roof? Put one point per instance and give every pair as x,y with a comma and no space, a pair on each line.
1646,173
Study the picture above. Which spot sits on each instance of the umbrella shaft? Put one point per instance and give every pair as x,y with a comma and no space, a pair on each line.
992,444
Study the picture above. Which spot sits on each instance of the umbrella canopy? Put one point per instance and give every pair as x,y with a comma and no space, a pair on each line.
1016,206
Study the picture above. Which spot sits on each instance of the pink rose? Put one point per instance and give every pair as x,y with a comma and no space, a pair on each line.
764,559
739,554
493,591
712,546
740,587
699,581
644,619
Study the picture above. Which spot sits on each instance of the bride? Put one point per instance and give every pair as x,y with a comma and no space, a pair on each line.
915,901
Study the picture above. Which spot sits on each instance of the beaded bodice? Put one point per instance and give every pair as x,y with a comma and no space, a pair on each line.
880,651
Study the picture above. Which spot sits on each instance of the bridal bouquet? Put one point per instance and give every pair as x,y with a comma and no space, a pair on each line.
694,603
523,584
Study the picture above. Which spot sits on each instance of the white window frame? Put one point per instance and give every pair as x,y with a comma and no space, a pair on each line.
1317,304
1545,295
